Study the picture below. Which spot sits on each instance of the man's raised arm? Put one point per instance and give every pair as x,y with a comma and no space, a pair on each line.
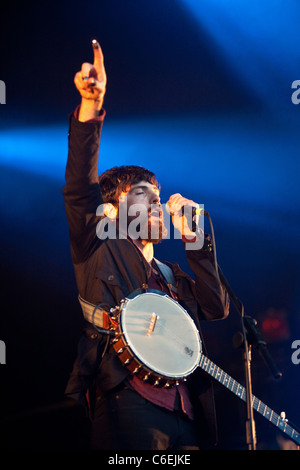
82,192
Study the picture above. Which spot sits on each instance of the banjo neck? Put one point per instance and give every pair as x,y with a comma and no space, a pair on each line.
231,384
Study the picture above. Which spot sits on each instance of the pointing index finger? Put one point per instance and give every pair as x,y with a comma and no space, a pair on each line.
98,56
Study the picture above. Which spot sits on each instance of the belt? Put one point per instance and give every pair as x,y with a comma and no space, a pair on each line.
94,314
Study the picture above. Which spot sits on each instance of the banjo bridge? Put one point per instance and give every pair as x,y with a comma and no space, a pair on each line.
152,323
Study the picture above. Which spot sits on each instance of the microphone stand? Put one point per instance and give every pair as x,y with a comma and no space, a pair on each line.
250,337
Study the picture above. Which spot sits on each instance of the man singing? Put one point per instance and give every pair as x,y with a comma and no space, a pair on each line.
126,410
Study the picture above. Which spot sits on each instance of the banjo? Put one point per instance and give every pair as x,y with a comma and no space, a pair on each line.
157,340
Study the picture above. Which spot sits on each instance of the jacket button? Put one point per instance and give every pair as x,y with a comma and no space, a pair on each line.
111,277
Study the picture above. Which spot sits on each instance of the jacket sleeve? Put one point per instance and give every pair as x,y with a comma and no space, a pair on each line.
210,294
82,192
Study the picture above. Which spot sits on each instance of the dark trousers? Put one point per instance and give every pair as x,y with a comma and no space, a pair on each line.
123,420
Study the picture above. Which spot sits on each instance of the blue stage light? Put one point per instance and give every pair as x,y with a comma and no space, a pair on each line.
257,40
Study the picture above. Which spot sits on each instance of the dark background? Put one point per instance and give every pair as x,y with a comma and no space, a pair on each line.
199,92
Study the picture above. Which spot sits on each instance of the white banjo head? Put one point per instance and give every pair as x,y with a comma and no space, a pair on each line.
161,334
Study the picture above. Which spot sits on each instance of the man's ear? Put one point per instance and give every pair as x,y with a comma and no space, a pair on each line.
110,211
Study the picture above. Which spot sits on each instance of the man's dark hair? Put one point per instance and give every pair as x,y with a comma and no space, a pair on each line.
120,178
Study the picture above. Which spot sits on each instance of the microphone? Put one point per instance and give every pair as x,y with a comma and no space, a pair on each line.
194,210
191,213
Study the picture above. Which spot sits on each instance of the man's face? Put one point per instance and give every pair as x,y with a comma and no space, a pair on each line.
144,212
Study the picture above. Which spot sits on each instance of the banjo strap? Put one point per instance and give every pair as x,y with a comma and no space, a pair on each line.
168,274
93,314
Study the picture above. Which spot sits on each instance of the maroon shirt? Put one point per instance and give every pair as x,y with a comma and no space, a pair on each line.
166,398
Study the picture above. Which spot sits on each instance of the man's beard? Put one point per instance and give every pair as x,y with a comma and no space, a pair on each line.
151,228
156,230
